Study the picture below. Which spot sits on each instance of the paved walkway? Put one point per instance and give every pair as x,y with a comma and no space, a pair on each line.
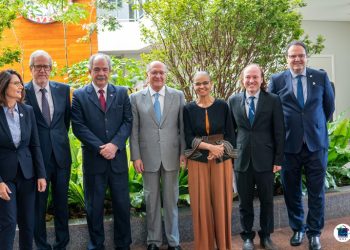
281,238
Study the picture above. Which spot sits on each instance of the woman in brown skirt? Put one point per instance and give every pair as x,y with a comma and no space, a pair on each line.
209,137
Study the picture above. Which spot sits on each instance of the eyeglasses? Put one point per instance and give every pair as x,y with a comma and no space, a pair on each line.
154,73
197,84
38,67
293,57
17,84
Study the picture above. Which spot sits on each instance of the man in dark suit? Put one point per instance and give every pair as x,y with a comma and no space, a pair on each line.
308,103
51,104
258,123
102,120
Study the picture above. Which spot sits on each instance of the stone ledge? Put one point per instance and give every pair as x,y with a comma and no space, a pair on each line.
337,205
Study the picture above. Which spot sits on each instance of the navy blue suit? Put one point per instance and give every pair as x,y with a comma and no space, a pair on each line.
306,146
19,168
94,127
55,148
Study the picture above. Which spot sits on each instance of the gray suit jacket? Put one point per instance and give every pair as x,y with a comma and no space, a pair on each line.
152,143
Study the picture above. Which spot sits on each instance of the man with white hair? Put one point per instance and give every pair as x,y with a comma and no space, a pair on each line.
51,104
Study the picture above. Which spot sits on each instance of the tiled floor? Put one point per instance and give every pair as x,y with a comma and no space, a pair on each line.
281,239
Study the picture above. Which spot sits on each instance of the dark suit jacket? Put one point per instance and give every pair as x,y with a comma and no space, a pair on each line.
27,155
263,141
307,124
53,138
94,127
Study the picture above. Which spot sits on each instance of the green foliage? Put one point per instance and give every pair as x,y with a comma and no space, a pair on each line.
76,186
8,13
9,56
125,72
338,171
222,37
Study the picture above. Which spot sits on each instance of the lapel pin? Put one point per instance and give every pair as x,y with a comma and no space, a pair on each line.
20,114
313,83
111,95
310,76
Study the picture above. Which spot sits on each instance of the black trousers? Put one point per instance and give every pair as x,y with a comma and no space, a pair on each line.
18,210
59,180
246,182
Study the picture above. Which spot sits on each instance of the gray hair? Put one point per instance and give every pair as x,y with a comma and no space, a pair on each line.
201,73
98,56
38,53
150,65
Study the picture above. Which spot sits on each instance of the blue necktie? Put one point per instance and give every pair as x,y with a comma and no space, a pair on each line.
156,107
300,94
251,110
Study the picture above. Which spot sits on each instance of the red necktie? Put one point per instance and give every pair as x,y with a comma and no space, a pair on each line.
102,99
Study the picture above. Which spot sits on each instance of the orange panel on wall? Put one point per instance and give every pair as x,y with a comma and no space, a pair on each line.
29,36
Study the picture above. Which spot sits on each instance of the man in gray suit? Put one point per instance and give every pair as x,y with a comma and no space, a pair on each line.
157,145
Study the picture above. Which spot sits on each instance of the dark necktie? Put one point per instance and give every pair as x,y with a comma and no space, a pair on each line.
251,110
156,107
300,94
102,99
45,109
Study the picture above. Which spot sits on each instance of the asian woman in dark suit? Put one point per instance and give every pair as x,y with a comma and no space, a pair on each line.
21,164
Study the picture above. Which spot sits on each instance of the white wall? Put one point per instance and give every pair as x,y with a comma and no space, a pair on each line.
335,57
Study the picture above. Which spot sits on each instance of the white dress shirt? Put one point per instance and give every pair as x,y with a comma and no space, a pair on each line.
97,89
38,95
247,101
161,96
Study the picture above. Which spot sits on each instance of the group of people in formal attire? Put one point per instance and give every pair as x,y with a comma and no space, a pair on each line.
258,132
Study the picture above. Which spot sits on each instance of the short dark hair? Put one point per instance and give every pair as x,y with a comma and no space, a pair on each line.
5,79
297,43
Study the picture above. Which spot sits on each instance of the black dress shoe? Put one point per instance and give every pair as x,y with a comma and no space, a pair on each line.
174,248
268,244
248,245
314,243
152,247
297,238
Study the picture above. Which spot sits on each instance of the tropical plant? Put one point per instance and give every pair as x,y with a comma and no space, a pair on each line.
222,37
125,72
338,171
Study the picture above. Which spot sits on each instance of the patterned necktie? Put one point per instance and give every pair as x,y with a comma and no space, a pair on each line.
300,94
251,110
156,106
45,109
102,99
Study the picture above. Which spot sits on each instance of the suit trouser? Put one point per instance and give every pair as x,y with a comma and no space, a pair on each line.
59,179
95,190
19,210
210,187
314,164
155,184
246,182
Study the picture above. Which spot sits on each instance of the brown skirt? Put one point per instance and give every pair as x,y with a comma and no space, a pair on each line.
210,188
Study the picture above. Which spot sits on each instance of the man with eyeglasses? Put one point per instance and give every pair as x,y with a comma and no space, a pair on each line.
51,104
157,146
102,120
308,103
